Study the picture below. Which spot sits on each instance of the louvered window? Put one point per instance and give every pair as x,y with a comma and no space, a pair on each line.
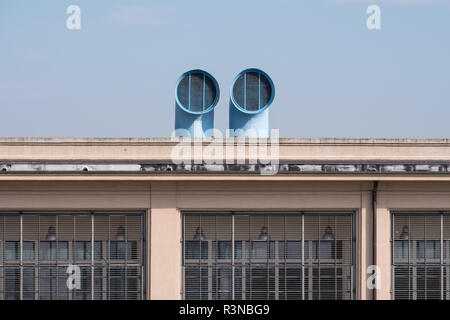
421,256
37,251
268,256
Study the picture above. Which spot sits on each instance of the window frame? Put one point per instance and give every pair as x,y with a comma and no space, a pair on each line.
307,264
137,266
413,262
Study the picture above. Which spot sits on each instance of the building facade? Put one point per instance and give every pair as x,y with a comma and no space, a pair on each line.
119,219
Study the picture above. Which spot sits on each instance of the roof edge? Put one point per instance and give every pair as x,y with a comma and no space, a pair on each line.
172,141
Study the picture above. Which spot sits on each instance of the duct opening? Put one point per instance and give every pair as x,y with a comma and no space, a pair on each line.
197,92
252,91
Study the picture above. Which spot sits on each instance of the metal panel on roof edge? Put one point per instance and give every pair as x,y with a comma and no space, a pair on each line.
196,95
251,95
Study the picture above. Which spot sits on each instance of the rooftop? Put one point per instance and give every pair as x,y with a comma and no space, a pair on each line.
154,157
165,141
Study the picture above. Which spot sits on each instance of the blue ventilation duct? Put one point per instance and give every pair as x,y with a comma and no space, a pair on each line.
251,94
196,95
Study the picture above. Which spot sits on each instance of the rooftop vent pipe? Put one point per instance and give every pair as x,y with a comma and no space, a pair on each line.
252,93
196,95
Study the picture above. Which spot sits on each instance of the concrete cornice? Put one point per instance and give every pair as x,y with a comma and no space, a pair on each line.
30,141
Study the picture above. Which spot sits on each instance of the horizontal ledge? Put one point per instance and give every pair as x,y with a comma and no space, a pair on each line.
174,178
27,141
244,169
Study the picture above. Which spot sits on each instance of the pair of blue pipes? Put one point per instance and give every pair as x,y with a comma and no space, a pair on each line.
197,93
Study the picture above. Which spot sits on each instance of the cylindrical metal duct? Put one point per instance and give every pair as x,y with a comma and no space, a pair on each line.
196,95
251,95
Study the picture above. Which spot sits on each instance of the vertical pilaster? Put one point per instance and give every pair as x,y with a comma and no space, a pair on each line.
165,242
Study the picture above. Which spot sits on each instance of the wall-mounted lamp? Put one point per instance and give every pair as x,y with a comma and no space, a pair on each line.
405,233
120,235
51,234
263,235
199,236
328,234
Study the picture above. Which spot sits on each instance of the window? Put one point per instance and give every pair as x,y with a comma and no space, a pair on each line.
123,283
82,250
121,249
12,283
37,249
260,256
48,250
28,251
421,265
12,250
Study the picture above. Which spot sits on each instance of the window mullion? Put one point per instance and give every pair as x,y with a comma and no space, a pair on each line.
232,258
183,262
3,240
425,266
38,257
393,253
409,256
92,256
21,256
109,257
303,254
267,255
126,257
318,256
441,251
334,251
56,256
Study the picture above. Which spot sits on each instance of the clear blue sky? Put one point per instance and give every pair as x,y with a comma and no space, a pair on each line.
116,76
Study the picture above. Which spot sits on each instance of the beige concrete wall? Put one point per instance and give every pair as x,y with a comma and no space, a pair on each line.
284,196
165,243
402,196
164,201
163,197
364,244
161,148
384,253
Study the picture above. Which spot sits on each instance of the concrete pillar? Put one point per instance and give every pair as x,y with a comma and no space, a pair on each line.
384,252
165,243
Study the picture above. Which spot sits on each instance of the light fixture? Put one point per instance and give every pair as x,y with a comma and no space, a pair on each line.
263,235
405,233
120,235
328,234
199,234
51,234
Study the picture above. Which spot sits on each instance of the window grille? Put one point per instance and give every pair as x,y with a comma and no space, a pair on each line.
420,255
252,91
197,92
268,256
36,250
